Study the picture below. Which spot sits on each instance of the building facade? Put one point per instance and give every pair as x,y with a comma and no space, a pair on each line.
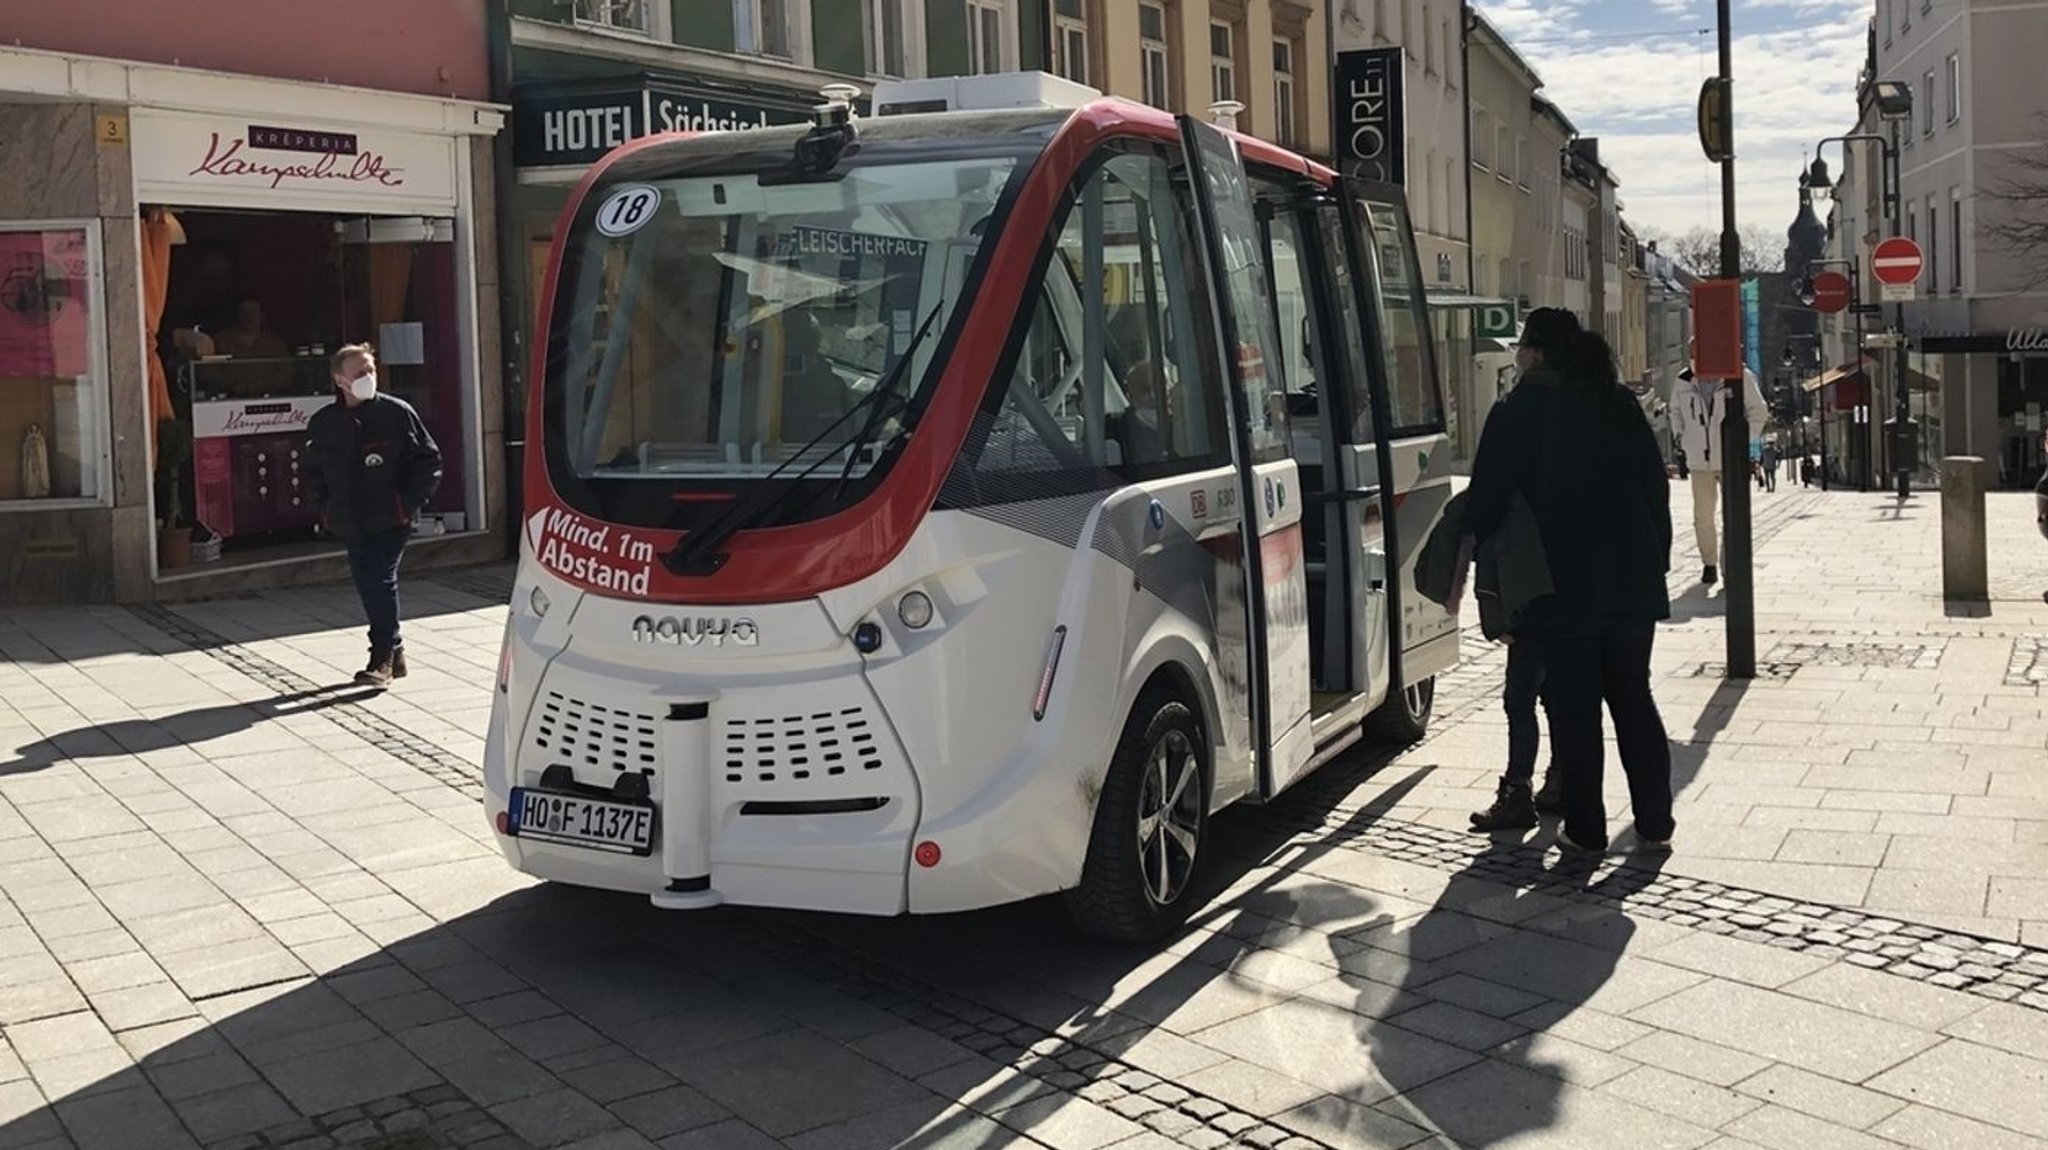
187,246
1271,56
1979,326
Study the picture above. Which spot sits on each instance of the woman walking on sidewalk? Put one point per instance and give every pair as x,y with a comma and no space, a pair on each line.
1580,451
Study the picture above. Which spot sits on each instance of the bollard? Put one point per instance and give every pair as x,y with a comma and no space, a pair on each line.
1965,572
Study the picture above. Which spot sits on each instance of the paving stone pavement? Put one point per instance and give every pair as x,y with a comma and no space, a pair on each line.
240,908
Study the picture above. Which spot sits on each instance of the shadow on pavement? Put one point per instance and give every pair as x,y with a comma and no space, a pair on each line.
1688,757
187,728
1511,986
1698,602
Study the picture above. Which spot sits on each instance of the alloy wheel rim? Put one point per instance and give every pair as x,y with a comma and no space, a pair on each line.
1169,817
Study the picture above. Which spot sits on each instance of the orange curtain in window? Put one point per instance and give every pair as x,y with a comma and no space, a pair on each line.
390,281
156,286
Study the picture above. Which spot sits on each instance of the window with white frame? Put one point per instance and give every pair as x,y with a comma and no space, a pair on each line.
1429,189
1283,90
1955,87
625,15
53,365
986,44
1222,61
1428,49
761,27
1503,153
1927,103
1070,39
1522,162
1482,137
888,28
1152,53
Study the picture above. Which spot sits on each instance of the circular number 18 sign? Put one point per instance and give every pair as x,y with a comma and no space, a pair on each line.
628,209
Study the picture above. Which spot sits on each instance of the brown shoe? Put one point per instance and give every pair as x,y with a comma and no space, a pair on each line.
380,672
398,662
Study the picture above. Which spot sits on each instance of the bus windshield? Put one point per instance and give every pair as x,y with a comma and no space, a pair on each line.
711,329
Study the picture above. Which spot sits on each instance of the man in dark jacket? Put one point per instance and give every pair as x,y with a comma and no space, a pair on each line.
1579,449
375,466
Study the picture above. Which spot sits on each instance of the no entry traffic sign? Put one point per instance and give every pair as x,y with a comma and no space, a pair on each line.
1830,292
1896,261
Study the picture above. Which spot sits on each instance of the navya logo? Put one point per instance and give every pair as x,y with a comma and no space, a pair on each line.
696,631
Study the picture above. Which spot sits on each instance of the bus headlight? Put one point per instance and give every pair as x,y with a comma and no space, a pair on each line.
915,609
540,602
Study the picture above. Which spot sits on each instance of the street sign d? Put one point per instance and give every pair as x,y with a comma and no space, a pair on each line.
1494,321
1896,261
1830,292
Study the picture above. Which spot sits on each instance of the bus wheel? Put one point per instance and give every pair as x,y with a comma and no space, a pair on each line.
1404,717
1149,824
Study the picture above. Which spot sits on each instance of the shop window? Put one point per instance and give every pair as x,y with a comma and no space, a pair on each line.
622,15
1150,402
1070,39
52,370
1152,53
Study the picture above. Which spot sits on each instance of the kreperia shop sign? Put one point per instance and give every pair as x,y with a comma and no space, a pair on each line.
556,125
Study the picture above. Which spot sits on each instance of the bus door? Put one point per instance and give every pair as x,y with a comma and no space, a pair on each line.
1270,487
1413,450
1334,379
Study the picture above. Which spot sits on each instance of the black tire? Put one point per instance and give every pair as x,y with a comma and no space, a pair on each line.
1121,897
1404,717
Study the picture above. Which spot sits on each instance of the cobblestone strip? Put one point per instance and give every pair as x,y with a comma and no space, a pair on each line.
393,739
440,1118
2006,972
1070,1064
2029,666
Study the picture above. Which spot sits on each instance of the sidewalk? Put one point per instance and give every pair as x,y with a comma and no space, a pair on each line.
241,909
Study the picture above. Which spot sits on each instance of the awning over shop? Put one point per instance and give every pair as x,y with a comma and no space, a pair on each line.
1833,375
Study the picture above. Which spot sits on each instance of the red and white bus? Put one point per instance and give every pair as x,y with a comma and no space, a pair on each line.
935,510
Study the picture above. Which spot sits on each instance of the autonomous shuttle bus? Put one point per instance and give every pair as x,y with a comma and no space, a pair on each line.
933,510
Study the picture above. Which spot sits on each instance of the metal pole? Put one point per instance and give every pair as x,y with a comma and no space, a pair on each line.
1902,465
1736,560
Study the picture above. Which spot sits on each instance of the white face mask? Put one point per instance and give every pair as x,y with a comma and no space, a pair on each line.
363,387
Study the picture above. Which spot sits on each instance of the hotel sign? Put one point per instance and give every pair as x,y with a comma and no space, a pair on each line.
554,126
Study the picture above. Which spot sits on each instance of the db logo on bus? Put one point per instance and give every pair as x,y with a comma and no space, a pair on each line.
696,631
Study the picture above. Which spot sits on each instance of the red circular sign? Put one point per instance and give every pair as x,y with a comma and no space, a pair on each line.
1896,261
1830,292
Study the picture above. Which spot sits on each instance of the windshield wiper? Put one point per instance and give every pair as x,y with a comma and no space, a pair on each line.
697,554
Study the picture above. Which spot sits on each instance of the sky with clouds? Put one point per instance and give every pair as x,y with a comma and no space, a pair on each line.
1629,72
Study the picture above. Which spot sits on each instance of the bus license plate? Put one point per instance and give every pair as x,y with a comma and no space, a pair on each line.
551,816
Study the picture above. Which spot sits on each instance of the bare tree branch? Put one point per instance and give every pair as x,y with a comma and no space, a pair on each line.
2023,230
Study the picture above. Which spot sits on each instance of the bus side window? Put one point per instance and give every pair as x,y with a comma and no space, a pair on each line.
1148,401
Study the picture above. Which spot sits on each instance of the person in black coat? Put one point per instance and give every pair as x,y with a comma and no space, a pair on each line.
375,466
1580,450
1542,353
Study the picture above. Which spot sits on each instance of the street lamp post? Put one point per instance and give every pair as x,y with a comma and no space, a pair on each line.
1894,105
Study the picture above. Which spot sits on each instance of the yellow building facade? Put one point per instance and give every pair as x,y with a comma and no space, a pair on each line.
1272,56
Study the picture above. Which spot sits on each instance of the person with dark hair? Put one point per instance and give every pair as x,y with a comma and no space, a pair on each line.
1542,355
1576,446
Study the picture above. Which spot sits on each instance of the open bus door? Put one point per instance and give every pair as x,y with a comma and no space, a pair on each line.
1412,449
1276,581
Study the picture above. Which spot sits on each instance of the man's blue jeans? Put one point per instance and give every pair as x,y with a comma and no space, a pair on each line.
373,561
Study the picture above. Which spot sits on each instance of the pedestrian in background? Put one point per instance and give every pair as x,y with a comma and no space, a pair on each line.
1580,451
375,466
1697,410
